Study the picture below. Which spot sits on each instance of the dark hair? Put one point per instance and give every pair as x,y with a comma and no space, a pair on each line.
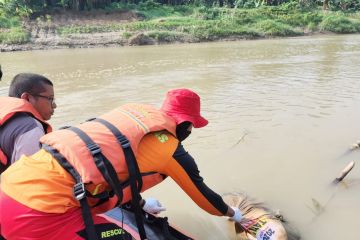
28,82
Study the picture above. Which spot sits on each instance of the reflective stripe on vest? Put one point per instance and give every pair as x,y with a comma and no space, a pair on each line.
9,106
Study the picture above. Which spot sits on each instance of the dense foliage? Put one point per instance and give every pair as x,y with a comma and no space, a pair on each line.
185,20
28,7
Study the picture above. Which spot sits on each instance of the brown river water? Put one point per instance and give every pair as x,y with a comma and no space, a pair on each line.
281,113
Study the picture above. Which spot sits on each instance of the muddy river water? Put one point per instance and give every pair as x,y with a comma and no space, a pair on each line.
280,113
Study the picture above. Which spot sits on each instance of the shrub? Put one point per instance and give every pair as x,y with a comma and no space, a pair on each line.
213,13
274,28
8,22
337,24
126,35
357,25
166,36
184,9
312,27
290,6
14,36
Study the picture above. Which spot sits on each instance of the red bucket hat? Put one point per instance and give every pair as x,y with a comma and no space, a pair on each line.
184,105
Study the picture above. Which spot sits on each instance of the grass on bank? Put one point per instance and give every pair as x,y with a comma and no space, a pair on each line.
14,35
181,23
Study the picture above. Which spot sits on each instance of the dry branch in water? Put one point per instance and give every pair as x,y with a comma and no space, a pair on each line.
355,145
241,139
345,171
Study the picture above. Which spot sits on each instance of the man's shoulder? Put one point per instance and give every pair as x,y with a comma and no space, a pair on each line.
160,137
161,144
21,122
16,128
160,141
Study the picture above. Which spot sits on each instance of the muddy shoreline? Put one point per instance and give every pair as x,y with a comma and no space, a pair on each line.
96,40
44,34
114,39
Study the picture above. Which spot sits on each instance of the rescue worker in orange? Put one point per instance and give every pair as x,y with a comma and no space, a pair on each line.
23,116
133,147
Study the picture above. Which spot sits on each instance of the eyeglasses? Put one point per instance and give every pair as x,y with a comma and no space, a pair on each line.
50,99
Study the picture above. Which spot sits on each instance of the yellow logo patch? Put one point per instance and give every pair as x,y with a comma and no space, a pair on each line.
97,189
162,137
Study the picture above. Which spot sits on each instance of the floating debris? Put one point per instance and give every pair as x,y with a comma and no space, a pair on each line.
352,148
241,139
355,145
345,172
319,208
316,207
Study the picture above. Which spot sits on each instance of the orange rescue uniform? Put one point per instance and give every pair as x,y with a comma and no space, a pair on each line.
40,183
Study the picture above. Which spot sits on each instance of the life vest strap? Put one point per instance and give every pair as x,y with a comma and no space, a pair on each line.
102,163
135,178
79,192
134,171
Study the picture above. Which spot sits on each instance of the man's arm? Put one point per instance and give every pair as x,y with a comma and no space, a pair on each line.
28,142
161,152
21,136
184,171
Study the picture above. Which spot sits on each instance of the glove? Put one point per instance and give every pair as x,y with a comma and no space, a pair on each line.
237,216
153,206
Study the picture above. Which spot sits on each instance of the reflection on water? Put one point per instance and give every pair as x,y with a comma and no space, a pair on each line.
297,100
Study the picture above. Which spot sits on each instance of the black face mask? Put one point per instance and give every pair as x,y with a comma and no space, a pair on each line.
182,131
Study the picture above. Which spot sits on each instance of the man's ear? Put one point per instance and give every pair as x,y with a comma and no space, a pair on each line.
25,96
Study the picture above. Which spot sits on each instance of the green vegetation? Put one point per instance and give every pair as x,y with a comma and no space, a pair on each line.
275,28
7,21
167,36
88,29
338,24
14,36
186,21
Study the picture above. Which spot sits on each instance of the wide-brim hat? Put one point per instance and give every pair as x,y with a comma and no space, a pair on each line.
184,105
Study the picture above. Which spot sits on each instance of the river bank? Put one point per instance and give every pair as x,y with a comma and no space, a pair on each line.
105,40
97,29
69,29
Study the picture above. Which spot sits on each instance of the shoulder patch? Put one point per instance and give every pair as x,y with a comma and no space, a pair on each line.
161,136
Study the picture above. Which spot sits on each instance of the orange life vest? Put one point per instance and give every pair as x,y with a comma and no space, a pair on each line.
9,106
104,150
133,120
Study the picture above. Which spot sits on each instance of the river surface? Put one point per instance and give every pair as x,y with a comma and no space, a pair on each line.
281,113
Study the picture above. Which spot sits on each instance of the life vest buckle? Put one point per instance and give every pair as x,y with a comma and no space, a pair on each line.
94,149
123,141
79,191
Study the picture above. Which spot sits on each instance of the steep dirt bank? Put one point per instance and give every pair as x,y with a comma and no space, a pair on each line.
44,34
69,29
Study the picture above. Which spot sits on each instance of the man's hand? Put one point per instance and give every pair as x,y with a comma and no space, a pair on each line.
153,206
237,215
